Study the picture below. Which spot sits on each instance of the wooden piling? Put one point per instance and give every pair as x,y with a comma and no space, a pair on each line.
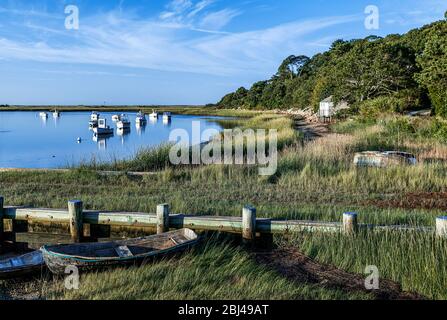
2,226
162,218
76,221
350,225
441,227
248,224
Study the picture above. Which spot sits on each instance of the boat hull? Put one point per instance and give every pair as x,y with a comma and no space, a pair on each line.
25,265
58,258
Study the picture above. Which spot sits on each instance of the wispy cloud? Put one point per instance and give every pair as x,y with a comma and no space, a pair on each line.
219,19
187,37
196,17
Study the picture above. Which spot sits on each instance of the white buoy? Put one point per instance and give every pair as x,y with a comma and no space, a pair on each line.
79,140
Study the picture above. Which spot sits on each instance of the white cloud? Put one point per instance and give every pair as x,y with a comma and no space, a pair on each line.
119,40
219,19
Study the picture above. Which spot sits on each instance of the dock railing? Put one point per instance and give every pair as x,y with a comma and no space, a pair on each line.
248,224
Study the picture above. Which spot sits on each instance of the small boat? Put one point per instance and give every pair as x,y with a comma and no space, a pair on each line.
94,117
93,256
167,116
43,115
20,266
383,159
141,119
153,115
124,123
56,114
102,128
116,118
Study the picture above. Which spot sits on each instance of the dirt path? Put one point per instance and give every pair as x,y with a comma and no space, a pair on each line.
297,267
311,130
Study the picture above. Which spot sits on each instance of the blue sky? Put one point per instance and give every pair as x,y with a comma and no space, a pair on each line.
173,52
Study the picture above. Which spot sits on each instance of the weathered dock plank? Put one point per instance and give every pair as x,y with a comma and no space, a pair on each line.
199,223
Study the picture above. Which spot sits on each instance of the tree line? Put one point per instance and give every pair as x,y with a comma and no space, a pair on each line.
375,74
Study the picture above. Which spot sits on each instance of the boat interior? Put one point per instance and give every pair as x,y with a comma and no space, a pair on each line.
126,248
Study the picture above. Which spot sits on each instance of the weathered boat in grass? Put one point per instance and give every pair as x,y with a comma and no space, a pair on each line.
93,256
24,265
384,159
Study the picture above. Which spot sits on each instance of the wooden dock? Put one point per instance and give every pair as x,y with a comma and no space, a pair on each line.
76,219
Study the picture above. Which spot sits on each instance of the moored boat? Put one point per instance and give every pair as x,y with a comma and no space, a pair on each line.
43,115
124,123
102,128
116,117
140,119
94,118
167,116
93,256
27,264
153,115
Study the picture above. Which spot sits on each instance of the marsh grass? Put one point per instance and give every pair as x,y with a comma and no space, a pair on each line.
314,181
415,260
215,270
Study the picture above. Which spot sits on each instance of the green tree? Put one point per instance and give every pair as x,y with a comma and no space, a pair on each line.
433,62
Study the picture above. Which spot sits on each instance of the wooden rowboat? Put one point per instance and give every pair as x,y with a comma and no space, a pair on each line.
20,266
92,256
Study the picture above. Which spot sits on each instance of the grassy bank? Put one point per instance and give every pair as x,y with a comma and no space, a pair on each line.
415,260
314,181
215,270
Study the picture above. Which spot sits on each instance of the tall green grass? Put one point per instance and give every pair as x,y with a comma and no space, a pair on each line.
213,271
415,260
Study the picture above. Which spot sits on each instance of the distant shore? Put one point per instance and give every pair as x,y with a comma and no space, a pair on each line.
67,108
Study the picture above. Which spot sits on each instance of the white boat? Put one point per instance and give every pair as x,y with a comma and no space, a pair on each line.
384,159
141,119
94,117
153,115
43,115
56,114
102,128
167,116
116,117
124,123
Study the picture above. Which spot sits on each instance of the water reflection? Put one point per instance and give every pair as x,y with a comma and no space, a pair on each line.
123,133
101,140
167,121
55,121
141,128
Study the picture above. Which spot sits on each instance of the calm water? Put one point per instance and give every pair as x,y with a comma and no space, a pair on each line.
29,141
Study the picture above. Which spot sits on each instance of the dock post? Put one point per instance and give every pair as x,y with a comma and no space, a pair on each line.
76,220
248,225
350,225
441,227
162,218
2,226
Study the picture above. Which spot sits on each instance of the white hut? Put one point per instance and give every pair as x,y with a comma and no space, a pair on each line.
328,108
